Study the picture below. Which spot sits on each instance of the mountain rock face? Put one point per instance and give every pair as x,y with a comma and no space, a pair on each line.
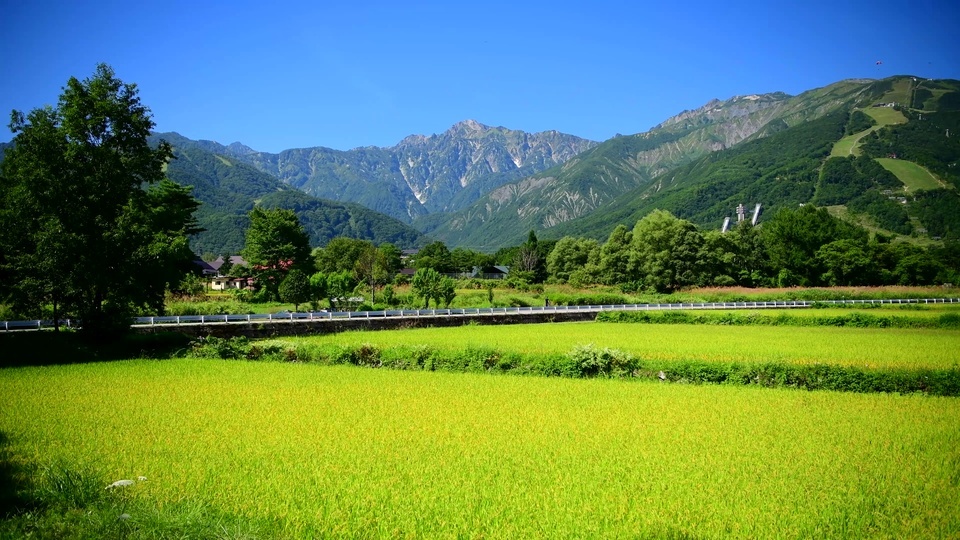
589,181
421,174
228,189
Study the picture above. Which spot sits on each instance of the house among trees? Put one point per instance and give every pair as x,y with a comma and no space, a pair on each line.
490,272
218,273
224,283
205,268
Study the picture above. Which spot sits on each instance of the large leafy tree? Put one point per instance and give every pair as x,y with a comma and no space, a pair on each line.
372,269
793,238
434,255
569,255
295,288
276,243
340,254
530,261
666,252
429,285
614,262
80,234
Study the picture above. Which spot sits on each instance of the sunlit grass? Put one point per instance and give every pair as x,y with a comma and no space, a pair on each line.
885,116
863,347
913,176
850,145
344,451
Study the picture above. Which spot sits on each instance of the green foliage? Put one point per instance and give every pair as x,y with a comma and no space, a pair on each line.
843,179
921,141
340,254
665,252
887,213
373,268
70,500
614,263
845,262
239,348
77,229
858,122
839,182
431,285
318,289
275,244
605,362
569,255
793,237
529,262
191,286
939,211
436,256
295,288
340,287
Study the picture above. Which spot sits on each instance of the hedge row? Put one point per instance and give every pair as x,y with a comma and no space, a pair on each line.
589,361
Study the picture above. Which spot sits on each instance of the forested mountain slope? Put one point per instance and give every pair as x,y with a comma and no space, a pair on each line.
794,167
228,189
765,149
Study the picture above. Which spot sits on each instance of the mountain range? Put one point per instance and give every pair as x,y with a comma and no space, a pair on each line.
228,189
877,152
418,176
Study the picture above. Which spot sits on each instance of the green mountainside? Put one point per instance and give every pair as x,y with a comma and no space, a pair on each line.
794,167
700,165
418,176
228,189
880,153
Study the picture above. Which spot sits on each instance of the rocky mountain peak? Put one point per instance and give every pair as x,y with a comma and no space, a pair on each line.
239,149
469,125
716,109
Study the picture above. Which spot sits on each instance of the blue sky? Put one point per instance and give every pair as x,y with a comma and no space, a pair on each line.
277,75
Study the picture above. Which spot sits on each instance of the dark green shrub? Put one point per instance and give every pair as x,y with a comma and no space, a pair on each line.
595,362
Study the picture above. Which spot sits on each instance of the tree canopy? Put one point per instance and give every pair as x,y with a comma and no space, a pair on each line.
79,234
275,244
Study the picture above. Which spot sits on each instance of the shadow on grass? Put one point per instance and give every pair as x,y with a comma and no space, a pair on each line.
14,484
47,348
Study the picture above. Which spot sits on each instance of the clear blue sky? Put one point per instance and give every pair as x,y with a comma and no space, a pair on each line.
277,75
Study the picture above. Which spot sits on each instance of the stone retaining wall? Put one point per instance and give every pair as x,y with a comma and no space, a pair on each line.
269,329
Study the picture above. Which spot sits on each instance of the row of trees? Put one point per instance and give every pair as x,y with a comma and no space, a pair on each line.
285,268
804,246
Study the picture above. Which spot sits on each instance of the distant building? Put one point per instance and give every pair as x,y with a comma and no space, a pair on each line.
221,283
206,269
235,260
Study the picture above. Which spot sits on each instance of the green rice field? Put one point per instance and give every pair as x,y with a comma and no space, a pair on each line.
864,347
308,451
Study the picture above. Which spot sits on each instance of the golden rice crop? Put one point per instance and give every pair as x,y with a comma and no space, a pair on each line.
345,451
864,347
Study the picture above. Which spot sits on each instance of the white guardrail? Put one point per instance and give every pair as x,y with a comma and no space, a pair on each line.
460,312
